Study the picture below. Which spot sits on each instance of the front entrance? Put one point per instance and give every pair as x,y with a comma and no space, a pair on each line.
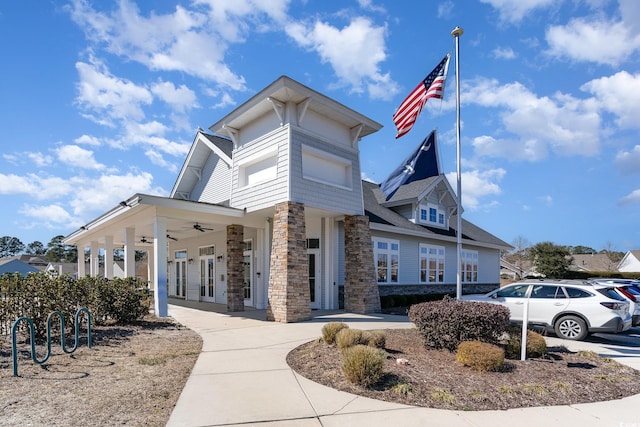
180,274
247,272
313,258
207,274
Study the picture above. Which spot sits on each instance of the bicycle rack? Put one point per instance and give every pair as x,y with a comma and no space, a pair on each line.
63,344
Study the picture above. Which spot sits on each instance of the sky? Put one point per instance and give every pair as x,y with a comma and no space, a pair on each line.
101,100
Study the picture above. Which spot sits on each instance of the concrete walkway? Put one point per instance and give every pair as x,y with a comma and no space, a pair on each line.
241,378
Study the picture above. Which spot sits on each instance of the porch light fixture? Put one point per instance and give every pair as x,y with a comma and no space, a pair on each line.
220,258
190,260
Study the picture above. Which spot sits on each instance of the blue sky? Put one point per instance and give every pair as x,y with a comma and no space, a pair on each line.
100,100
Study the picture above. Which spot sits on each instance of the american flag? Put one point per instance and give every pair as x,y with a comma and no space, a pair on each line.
431,87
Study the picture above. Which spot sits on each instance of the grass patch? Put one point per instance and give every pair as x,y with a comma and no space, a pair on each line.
442,396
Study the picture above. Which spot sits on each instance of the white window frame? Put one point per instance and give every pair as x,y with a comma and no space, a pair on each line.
388,250
440,217
469,266
429,254
326,168
258,169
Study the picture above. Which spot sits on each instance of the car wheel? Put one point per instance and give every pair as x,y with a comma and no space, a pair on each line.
571,328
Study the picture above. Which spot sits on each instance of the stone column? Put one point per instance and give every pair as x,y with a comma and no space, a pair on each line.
235,268
360,287
289,296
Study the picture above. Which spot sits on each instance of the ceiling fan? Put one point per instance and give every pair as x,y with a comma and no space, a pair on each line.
144,240
169,236
201,228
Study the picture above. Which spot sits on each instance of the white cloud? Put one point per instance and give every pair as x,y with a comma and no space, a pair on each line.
597,39
101,94
513,11
39,159
87,140
631,198
157,159
504,53
78,157
561,123
547,200
354,52
477,185
445,9
188,41
629,161
620,95
51,216
34,186
180,99
91,197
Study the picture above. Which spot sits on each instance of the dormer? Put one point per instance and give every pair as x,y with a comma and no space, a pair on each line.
429,202
291,143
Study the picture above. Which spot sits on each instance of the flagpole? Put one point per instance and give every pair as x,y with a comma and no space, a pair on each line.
457,32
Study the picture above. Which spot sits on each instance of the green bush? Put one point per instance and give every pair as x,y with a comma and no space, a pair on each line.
446,323
348,337
363,365
480,356
330,330
536,345
38,294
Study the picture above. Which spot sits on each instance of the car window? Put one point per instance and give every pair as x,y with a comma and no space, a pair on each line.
546,291
611,293
515,291
577,293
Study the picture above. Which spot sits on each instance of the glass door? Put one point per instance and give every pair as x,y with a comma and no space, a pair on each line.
180,274
247,273
207,274
313,258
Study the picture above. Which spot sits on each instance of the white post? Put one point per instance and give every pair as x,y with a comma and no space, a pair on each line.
81,265
130,252
108,257
160,267
457,32
525,320
94,260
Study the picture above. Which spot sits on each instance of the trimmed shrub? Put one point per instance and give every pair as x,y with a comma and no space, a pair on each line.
536,345
377,338
330,330
363,365
348,337
446,323
480,356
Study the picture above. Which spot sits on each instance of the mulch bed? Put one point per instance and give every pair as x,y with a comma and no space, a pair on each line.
434,379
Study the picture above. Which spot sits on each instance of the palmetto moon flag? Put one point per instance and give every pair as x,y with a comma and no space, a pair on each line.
421,164
431,87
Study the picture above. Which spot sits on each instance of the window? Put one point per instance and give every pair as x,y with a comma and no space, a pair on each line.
258,169
515,291
469,266
545,291
386,255
432,215
320,166
431,264
577,293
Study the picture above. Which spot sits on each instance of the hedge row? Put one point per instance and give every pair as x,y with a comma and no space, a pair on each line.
389,301
38,294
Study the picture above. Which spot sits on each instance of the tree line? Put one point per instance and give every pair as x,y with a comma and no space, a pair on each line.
553,261
54,251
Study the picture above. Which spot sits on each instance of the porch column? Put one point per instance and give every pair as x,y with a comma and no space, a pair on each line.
130,252
360,284
160,306
235,268
108,257
81,266
94,260
289,297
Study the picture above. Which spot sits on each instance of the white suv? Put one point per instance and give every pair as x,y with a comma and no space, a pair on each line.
570,308
628,289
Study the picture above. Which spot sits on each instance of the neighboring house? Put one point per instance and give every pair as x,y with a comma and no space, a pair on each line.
630,263
62,268
517,272
33,260
592,262
271,212
16,265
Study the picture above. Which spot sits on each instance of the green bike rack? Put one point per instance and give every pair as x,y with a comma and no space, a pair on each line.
63,344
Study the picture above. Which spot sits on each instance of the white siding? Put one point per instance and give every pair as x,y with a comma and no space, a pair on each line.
215,185
322,195
267,193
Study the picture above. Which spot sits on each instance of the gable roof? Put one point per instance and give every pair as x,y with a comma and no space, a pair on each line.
283,90
385,219
592,262
15,265
191,172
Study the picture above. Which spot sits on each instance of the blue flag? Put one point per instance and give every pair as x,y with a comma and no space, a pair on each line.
421,164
